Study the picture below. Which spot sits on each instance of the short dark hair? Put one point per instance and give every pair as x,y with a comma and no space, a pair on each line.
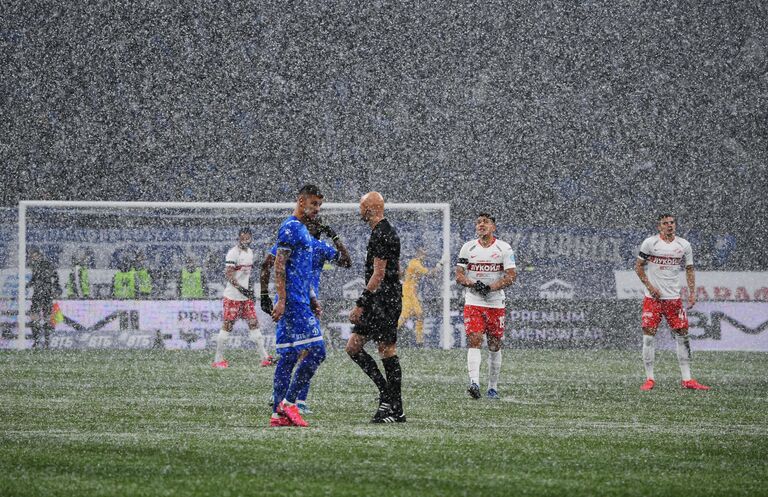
485,214
245,231
663,215
310,189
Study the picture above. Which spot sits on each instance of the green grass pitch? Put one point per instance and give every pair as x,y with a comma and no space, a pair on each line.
571,422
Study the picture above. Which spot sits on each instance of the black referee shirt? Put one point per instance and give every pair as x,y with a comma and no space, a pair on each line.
385,244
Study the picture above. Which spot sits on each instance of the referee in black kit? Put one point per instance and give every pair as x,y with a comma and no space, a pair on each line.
378,309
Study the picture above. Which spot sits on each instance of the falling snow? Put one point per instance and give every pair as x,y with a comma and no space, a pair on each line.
574,122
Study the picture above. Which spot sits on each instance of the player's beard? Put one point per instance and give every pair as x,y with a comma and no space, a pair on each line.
309,216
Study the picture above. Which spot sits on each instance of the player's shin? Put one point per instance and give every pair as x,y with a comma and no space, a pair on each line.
221,344
683,343
283,373
649,354
304,372
473,365
394,381
369,367
256,337
494,369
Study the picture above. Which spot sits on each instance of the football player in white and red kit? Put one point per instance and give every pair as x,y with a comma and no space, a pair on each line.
238,300
658,266
485,267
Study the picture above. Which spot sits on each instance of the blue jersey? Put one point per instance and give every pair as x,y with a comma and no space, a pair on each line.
322,252
298,328
294,236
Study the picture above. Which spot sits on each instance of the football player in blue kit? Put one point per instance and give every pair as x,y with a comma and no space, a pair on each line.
295,310
322,252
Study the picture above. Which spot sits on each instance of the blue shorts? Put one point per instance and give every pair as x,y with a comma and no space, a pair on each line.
298,328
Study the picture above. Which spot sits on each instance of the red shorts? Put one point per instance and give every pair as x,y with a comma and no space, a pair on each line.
234,309
479,319
672,310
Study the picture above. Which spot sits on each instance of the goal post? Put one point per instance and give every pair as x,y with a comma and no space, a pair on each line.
26,207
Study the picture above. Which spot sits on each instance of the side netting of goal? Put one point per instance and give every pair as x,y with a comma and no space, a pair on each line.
8,276
174,255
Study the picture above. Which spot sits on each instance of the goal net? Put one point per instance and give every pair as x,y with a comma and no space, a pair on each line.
88,244
8,275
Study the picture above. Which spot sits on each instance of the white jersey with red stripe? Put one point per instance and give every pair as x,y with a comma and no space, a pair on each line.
486,264
665,263
242,261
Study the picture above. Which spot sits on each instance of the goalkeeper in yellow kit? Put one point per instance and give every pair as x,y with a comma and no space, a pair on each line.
411,302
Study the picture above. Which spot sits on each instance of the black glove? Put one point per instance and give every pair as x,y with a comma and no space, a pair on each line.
329,232
266,303
481,288
247,292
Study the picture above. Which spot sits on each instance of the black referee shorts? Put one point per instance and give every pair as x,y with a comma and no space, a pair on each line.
379,320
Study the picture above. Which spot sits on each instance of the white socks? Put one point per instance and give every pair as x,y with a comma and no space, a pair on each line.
683,344
221,344
494,368
473,365
684,355
649,354
474,359
256,337
223,336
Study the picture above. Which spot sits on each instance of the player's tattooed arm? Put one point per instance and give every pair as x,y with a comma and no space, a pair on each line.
510,275
266,269
461,277
343,259
264,274
690,277
229,274
280,263
640,270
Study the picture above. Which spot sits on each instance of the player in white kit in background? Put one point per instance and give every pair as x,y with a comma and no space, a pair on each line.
238,300
485,267
658,267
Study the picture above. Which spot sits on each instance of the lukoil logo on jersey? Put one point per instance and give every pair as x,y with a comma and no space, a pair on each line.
556,289
664,260
484,267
